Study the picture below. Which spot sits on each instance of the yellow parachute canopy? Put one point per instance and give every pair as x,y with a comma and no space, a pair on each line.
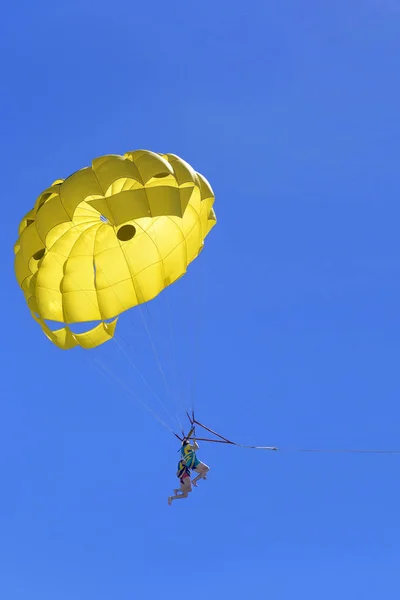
110,237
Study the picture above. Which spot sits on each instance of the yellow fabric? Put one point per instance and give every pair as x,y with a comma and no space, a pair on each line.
109,237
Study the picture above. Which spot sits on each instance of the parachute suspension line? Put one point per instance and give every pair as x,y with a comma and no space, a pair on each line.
178,397
178,376
140,306
142,377
118,381
123,352
149,333
145,325
199,327
160,368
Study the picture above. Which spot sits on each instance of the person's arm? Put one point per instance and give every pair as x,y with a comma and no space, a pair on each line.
195,445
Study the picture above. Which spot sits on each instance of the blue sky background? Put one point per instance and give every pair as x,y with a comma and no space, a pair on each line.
291,110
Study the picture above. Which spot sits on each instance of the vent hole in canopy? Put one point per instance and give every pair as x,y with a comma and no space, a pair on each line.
126,232
39,254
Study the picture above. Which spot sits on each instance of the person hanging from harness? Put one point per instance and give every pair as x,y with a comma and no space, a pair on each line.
188,453
183,475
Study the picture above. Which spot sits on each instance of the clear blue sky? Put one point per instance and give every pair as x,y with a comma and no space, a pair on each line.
291,110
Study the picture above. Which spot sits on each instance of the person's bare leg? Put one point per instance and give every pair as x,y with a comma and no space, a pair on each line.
186,487
202,471
178,497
